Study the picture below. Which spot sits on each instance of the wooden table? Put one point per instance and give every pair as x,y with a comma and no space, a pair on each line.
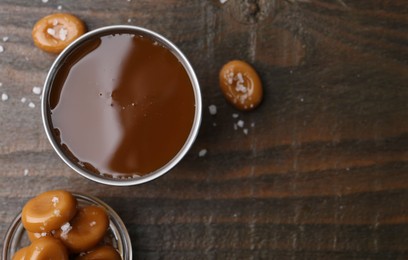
323,170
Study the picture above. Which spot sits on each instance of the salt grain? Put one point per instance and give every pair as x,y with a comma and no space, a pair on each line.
235,127
23,100
57,212
25,172
65,229
223,1
45,1
202,153
93,223
59,7
55,201
4,97
240,123
245,131
1,48
252,124
212,109
129,20
5,38
51,32
63,34
240,77
37,90
235,115
31,105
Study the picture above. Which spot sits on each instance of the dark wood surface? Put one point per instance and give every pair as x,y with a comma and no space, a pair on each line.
323,174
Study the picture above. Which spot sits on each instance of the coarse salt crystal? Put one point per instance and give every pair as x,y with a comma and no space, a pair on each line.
31,105
37,90
65,229
4,97
129,20
212,109
240,77
51,32
5,38
45,1
44,234
230,80
1,48
235,115
245,131
55,200
93,223
59,7
240,88
25,172
202,153
63,34
240,123
223,1
57,212
23,100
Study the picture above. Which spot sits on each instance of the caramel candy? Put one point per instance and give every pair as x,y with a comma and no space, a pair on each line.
46,248
85,230
20,254
241,85
48,211
54,32
101,253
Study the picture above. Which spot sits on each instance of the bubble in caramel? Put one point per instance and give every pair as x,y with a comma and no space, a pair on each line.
54,32
48,211
85,230
241,85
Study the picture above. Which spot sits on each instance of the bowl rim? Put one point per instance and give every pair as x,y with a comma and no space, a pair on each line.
114,219
129,181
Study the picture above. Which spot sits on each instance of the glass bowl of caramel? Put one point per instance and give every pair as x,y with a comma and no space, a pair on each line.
116,234
121,105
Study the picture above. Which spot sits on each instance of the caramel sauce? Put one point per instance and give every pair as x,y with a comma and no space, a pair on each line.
121,105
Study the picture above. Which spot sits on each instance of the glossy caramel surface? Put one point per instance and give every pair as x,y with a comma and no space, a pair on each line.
122,104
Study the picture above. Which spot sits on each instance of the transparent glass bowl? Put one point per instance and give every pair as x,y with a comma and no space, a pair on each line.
117,235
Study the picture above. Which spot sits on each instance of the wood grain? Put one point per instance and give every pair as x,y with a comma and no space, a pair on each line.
323,171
